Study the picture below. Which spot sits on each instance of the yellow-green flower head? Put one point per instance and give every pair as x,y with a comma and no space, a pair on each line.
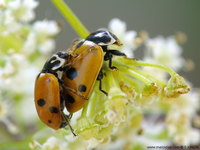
127,86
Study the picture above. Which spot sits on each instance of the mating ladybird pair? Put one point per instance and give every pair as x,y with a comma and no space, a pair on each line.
67,78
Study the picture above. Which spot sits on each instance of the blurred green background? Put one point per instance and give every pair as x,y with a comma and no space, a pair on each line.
157,17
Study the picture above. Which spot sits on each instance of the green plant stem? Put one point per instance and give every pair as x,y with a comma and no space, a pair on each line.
151,77
90,105
95,103
84,111
71,18
133,62
125,69
170,71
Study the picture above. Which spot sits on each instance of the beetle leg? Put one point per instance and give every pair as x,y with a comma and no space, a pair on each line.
70,116
65,117
62,105
116,52
110,64
100,77
62,101
109,54
71,90
75,92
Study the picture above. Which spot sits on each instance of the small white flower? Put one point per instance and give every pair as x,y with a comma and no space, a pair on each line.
192,137
18,75
47,46
92,143
40,38
30,44
19,60
165,51
16,13
111,116
13,63
5,107
14,5
29,6
34,144
23,10
54,143
24,81
151,130
10,23
27,109
9,69
179,118
118,27
117,144
45,27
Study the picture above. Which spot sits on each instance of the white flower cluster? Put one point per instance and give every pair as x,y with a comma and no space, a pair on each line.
16,12
165,51
39,38
179,119
22,48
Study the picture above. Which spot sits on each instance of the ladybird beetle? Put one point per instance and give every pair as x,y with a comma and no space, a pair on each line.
104,39
82,74
86,68
48,98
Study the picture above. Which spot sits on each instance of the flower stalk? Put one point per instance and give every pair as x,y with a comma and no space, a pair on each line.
71,18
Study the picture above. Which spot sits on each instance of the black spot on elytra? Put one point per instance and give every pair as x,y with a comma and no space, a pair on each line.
53,109
49,121
69,98
71,73
82,88
41,102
